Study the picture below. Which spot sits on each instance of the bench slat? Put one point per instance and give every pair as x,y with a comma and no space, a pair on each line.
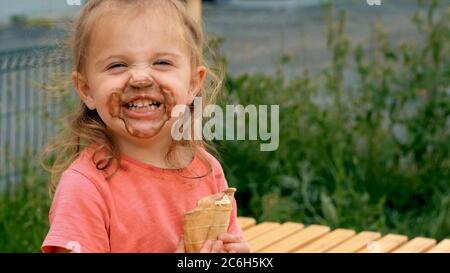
417,245
356,243
259,229
271,237
442,247
274,236
297,240
385,244
328,241
246,222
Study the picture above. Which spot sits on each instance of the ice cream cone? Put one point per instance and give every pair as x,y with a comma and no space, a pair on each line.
210,218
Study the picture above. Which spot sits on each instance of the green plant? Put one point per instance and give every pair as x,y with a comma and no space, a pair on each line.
364,144
24,207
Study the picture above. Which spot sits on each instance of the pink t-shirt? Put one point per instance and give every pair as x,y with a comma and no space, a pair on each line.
140,209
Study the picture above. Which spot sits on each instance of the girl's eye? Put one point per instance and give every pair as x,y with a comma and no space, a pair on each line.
117,65
163,62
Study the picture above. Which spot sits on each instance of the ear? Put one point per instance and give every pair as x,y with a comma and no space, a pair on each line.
197,82
80,84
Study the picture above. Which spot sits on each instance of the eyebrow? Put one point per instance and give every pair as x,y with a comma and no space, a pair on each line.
157,55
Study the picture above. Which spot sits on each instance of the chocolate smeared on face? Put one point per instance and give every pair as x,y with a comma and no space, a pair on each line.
144,111
114,104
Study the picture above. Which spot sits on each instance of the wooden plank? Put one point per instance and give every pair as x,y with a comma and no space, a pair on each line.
417,245
271,237
328,241
297,240
274,236
259,229
385,244
442,247
356,243
246,222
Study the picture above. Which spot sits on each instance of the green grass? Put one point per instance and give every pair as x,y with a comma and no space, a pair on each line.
24,208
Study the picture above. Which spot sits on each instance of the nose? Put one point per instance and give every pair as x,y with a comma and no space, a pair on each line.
140,78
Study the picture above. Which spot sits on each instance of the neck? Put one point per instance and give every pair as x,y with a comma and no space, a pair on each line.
151,151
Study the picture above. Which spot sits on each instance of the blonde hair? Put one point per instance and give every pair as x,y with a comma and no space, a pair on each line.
85,125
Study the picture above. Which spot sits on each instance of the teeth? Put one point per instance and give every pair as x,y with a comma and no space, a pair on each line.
142,103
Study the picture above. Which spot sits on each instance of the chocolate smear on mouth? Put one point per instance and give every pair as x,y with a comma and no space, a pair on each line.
142,128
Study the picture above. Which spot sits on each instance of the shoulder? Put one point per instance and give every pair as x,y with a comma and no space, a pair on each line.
78,194
217,173
84,166
214,163
81,180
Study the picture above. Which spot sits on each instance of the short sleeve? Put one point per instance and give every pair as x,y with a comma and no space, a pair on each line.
79,218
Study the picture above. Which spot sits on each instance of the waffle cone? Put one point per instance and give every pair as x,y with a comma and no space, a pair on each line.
210,218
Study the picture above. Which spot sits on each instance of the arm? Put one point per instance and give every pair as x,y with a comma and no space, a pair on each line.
79,217
233,241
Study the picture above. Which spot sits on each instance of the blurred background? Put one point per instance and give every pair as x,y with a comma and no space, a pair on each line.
364,95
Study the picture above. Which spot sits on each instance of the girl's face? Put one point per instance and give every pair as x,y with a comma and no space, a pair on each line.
137,68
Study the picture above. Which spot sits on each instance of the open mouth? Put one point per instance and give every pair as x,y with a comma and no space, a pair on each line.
143,114
142,105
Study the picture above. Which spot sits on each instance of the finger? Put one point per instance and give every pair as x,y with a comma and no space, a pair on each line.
206,247
229,238
238,247
232,251
217,247
180,246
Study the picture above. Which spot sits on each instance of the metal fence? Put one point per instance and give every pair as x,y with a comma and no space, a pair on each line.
27,110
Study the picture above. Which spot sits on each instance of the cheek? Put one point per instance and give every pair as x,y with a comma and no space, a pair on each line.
180,85
105,87
101,97
103,111
182,96
114,124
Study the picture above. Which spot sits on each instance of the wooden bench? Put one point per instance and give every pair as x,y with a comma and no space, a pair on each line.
289,237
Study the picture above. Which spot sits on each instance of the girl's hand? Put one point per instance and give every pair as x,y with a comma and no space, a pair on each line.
208,247
233,244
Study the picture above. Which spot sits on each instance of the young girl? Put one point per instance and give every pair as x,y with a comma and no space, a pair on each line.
124,183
